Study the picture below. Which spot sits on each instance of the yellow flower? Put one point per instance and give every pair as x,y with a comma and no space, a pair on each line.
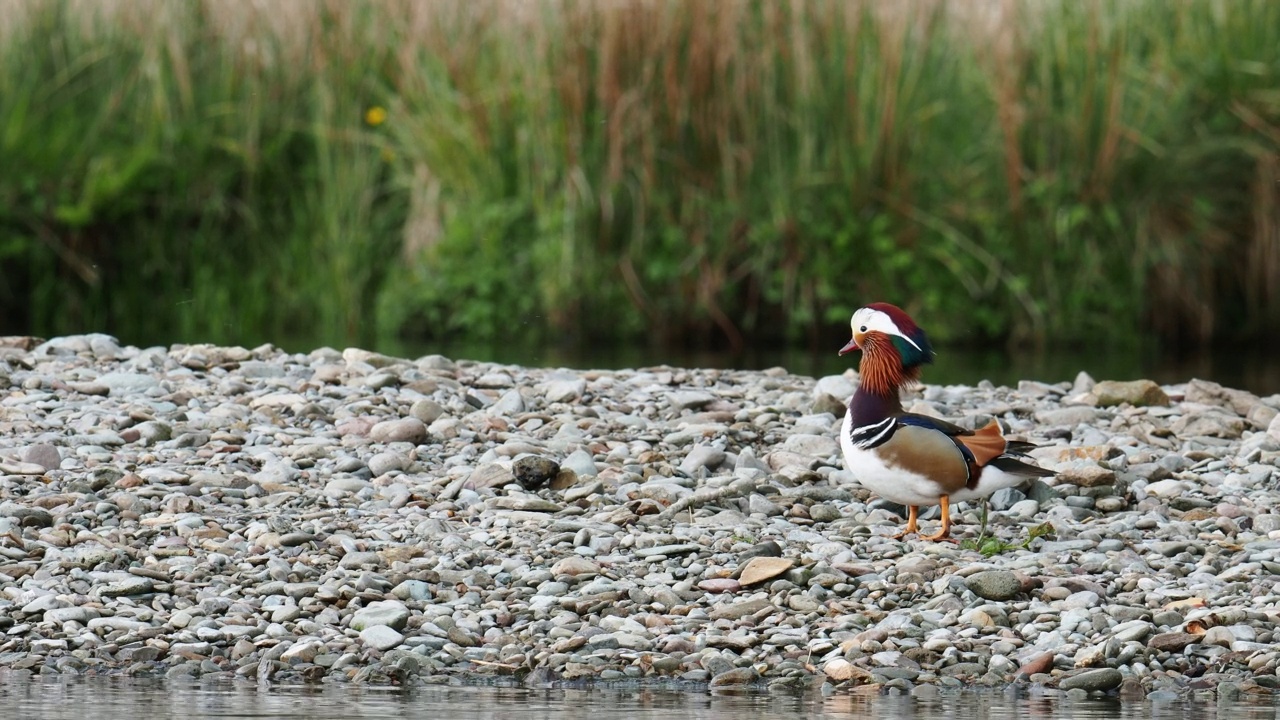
375,116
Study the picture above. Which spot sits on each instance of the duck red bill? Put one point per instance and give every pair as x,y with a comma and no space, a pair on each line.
853,345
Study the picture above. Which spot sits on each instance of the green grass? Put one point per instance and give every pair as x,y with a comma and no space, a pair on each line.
990,545
724,172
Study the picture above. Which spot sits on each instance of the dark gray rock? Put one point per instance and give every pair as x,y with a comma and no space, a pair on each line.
765,549
533,472
1093,680
1005,498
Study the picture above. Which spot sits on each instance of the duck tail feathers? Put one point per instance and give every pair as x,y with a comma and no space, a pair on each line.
1015,466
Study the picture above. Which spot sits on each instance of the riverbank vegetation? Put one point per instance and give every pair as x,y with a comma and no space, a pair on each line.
716,171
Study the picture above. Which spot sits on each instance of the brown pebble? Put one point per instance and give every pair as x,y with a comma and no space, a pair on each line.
736,676
759,569
1041,663
720,585
1131,690
1172,642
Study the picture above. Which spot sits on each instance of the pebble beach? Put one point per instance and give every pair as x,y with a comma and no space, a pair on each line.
254,515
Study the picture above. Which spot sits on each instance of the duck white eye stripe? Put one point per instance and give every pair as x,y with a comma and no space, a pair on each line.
870,320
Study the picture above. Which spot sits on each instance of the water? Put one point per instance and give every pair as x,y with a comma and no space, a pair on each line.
112,698
1253,368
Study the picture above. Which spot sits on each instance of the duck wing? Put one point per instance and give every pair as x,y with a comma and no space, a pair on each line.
983,447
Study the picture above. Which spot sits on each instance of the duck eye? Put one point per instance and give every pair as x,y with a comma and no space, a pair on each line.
862,329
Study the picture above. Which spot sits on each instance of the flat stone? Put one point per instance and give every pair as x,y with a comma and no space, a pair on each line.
1206,392
126,586
1102,680
490,476
43,603
738,610
736,676
381,637
1070,453
720,585
575,565
125,383
22,468
581,463
391,613
1167,488
358,560
385,462
426,410
819,446
112,624
701,456
1087,475
1173,642
511,403
1134,392
1209,424
302,652
360,356
1068,416
667,550
345,485
410,429
840,670
564,390
64,615
44,455
690,399
759,569
413,590
526,503
1041,663
566,480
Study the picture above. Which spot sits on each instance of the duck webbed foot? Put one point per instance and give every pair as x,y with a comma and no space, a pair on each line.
944,533
913,513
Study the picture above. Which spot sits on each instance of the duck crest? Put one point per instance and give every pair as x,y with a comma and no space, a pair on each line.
914,348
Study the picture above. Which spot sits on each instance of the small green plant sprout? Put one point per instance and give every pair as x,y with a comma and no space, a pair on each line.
990,545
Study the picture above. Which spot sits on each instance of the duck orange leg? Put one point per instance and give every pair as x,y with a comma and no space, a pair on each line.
913,513
945,532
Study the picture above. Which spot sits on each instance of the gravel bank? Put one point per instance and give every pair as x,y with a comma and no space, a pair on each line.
210,512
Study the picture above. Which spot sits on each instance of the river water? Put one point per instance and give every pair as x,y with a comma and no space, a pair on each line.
113,699
1254,368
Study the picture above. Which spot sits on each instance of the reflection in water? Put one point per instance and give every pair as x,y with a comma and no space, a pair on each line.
112,698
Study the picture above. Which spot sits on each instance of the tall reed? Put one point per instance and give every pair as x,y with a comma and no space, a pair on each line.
717,171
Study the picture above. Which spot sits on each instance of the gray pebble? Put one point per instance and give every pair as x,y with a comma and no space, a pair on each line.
994,585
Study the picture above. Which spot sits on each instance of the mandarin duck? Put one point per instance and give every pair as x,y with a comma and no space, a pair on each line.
916,459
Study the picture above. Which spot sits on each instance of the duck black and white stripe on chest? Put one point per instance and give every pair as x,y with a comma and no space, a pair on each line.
874,435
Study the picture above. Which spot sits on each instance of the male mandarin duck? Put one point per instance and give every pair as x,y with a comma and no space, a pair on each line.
915,459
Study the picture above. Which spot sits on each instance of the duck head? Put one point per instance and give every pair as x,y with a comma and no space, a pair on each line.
893,346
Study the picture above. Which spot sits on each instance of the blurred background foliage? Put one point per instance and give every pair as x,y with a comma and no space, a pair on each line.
708,172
